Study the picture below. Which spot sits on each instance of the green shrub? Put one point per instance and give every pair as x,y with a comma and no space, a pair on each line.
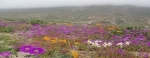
56,54
132,48
129,28
5,29
4,37
2,49
37,22
5,44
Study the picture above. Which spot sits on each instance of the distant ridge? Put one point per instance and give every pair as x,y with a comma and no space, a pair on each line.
125,14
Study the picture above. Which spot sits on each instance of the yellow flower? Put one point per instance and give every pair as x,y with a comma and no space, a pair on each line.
98,24
112,28
76,43
63,41
109,28
46,38
75,54
53,41
119,31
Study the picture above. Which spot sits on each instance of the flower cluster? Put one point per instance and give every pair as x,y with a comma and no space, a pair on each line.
99,43
75,54
32,49
5,54
54,40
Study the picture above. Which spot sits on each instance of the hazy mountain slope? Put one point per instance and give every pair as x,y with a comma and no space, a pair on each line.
106,14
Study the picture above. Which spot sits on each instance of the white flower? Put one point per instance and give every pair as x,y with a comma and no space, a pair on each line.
89,42
107,44
96,45
97,41
127,42
120,44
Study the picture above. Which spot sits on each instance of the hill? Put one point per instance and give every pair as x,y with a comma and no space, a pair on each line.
107,14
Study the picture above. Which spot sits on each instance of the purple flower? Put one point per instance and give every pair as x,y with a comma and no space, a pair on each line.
114,37
148,44
5,54
126,38
136,42
146,56
26,48
37,51
32,49
140,37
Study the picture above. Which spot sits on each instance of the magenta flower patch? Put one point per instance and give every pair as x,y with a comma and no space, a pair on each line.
26,48
5,54
32,50
37,51
148,44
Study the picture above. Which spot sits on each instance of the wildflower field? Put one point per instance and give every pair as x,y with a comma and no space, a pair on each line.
66,40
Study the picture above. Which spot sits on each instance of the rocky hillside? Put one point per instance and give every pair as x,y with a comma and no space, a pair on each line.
107,14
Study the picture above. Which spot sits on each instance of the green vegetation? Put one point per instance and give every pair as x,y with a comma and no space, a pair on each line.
5,29
6,42
37,22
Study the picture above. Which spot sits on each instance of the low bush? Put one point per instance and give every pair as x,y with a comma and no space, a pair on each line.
37,22
5,29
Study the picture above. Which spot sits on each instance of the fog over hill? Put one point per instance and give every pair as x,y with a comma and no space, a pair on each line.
7,4
108,14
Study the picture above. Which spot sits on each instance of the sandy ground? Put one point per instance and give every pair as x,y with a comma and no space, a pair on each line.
20,55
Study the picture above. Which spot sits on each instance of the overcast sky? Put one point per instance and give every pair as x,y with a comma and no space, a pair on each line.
4,4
